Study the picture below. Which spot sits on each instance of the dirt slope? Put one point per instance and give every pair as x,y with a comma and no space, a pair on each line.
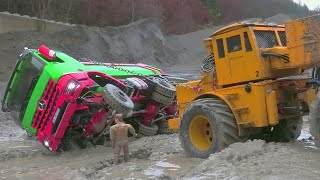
141,41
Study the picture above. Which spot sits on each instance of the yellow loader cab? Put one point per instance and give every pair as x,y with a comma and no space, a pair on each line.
253,85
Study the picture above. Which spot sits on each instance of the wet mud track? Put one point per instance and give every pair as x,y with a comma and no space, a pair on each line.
158,157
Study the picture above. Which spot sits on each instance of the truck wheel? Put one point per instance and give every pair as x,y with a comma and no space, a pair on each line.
164,127
314,119
287,130
162,99
165,88
176,80
69,144
100,141
117,99
207,126
162,86
148,130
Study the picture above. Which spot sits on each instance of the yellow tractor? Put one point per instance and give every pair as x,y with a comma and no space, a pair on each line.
255,83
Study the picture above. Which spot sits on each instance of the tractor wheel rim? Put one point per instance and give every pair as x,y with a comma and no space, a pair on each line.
200,132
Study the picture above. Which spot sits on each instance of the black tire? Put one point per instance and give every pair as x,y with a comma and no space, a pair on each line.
165,88
162,99
287,130
164,127
219,128
162,86
100,141
148,130
314,119
117,99
176,80
69,144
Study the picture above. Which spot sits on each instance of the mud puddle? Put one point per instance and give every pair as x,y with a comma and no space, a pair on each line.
43,165
93,163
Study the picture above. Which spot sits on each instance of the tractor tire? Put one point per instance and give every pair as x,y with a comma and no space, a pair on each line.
287,130
162,99
314,119
207,126
162,86
117,99
148,130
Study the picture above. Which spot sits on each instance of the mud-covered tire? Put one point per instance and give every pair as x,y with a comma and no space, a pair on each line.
287,130
207,126
69,144
314,119
100,141
148,130
176,80
164,127
165,88
162,86
162,99
117,99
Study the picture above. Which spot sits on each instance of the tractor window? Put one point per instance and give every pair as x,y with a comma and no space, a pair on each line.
282,36
266,39
234,44
220,48
247,42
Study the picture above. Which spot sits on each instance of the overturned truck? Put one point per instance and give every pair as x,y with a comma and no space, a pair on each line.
68,103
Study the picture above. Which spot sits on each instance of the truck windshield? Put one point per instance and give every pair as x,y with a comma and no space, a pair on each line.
22,85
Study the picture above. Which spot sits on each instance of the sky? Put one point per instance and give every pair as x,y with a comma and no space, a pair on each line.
312,4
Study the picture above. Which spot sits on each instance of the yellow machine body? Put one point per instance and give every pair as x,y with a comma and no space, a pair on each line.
251,61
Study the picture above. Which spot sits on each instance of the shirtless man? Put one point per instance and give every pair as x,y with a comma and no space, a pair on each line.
119,138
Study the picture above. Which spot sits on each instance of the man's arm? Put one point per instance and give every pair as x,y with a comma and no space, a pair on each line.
131,129
112,134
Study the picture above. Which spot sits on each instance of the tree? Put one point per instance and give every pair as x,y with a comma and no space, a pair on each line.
44,7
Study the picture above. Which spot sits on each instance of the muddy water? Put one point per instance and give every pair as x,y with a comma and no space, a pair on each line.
46,166
32,161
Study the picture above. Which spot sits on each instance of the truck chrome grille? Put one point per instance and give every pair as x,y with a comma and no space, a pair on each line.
46,106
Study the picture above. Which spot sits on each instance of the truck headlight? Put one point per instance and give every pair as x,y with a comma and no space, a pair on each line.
46,142
71,87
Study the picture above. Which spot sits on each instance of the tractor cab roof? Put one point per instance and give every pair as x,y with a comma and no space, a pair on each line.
244,24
